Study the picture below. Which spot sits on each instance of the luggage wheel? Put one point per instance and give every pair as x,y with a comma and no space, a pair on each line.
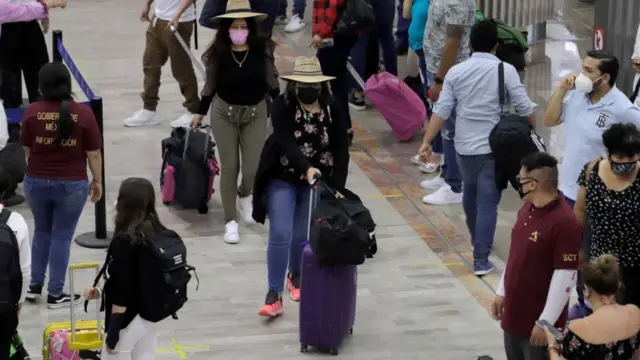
351,331
167,203
333,351
304,348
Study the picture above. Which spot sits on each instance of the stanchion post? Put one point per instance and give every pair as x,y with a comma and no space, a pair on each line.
100,238
56,37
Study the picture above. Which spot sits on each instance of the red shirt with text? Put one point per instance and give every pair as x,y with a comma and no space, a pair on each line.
64,161
542,240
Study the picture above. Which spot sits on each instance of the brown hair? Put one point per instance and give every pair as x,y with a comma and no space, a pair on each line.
136,216
602,275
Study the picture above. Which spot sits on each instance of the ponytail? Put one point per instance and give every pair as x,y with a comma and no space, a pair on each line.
65,122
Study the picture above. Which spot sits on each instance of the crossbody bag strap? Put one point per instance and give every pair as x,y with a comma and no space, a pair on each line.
634,96
501,88
590,168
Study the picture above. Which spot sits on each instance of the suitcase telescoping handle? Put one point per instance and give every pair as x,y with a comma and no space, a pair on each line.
73,268
355,75
184,46
313,199
207,129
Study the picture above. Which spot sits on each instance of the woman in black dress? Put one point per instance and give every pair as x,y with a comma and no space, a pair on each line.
610,197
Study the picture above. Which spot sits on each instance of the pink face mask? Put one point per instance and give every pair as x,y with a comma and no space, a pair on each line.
238,36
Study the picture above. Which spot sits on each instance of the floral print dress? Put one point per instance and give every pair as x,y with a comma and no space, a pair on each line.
574,348
311,132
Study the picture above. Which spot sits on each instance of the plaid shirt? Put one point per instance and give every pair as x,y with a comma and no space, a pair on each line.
325,15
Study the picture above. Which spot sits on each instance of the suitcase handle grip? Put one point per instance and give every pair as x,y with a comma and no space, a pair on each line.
72,304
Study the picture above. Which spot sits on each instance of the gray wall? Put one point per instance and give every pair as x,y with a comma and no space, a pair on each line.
619,19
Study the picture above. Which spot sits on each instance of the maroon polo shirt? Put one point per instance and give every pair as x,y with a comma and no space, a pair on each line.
542,240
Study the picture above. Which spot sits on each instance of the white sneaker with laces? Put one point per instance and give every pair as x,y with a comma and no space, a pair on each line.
231,234
245,207
295,24
415,159
443,196
183,121
142,118
430,168
434,183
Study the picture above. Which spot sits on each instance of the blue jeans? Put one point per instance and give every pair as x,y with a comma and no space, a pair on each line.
436,144
450,171
586,245
480,199
56,206
288,210
298,8
383,10
333,61
402,31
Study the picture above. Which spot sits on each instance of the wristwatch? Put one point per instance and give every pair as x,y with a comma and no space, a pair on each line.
439,81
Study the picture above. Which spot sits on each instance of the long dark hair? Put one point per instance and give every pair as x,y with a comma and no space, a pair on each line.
55,85
325,98
136,216
221,44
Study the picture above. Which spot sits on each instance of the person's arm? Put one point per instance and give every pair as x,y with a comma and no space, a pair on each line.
339,149
330,8
406,9
283,131
580,206
19,225
273,84
556,105
209,90
567,235
518,94
631,115
93,144
442,110
456,25
501,291
25,133
4,127
121,287
10,12
210,9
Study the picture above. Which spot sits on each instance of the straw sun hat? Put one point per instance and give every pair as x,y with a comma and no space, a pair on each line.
307,70
239,9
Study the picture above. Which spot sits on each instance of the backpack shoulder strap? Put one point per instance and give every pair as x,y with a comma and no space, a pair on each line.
501,87
4,216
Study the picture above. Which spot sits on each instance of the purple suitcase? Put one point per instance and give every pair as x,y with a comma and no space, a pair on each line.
327,303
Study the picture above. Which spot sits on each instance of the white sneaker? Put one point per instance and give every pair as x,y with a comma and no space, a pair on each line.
183,121
415,159
295,24
430,168
443,196
231,234
434,183
245,207
142,118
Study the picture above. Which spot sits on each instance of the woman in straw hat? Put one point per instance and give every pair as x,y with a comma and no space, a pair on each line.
309,138
240,73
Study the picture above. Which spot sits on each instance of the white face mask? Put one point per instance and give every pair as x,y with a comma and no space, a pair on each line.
583,84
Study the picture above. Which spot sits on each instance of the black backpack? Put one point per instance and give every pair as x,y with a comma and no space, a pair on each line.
355,16
163,276
10,273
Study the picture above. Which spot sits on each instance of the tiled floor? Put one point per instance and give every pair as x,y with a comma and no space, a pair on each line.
416,299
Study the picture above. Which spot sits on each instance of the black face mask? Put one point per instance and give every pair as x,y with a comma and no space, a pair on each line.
623,168
308,95
521,192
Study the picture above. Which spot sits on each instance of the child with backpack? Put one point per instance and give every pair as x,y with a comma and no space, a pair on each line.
15,267
142,254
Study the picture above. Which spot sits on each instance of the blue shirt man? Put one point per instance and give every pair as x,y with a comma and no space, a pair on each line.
587,105
471,89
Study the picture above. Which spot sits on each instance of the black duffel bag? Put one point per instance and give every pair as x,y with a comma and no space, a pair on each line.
336,236
511,139
355,16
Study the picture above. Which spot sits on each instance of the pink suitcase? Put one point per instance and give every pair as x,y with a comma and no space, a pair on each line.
400,106
327,300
